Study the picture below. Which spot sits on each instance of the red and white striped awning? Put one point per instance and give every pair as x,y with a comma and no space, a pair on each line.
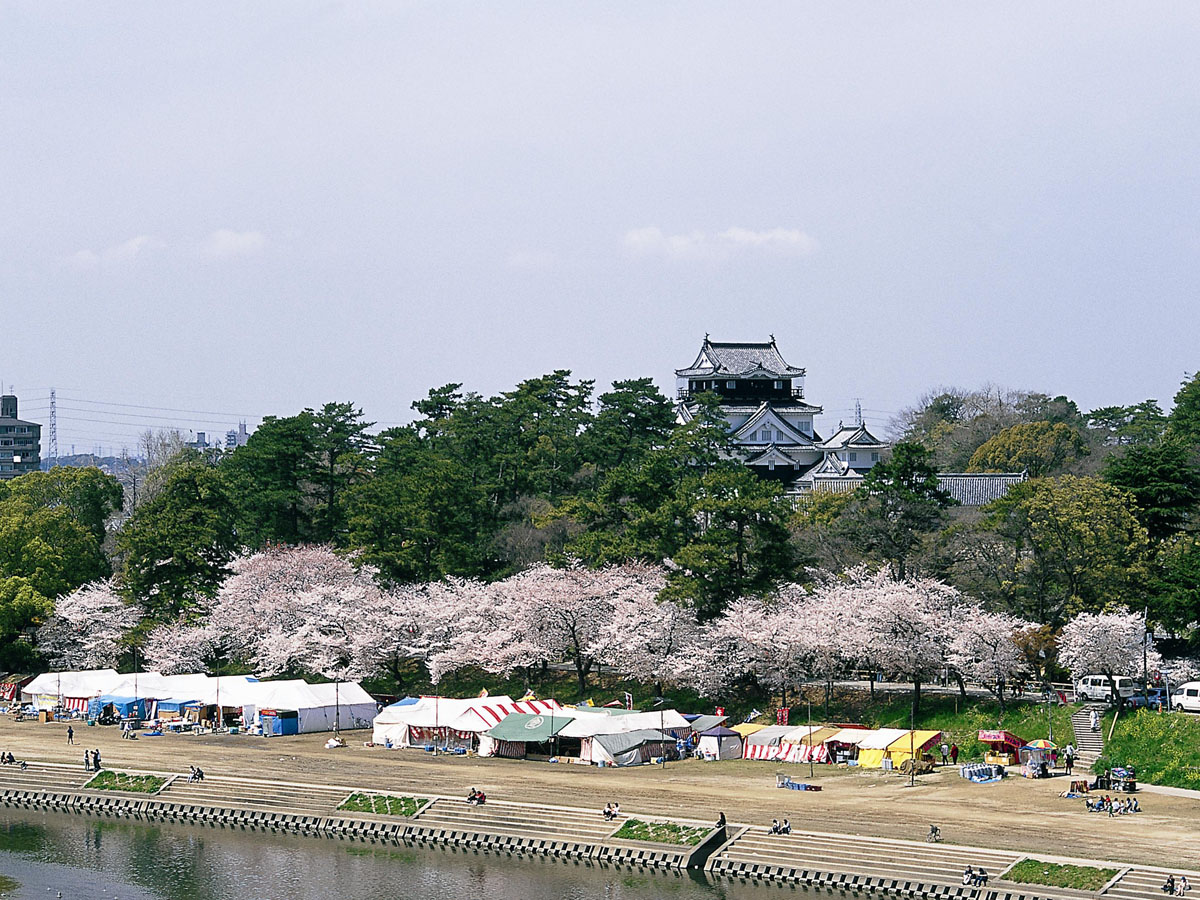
483,715
76,704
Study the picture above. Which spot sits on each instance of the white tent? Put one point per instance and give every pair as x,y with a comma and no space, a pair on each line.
149,685
448,722
75,688
719,743
766,743
318,706
589,723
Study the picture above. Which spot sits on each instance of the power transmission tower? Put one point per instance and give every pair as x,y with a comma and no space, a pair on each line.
52,451
858,411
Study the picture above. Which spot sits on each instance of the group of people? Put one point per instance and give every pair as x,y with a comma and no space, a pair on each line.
1114,807
8,759
611,811
949,754
1176,887
476,798
196,774
975,877
91,760
778,828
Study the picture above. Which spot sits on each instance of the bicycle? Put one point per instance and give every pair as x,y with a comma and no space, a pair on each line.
934,836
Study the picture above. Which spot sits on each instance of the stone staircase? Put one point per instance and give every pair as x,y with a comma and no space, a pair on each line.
786,856
1140,884
44,777
516,819
245,793
1089,744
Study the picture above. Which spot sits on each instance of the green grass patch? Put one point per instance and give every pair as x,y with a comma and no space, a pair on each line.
382,805
1164,748
8,884
109,780
660,832
1082,878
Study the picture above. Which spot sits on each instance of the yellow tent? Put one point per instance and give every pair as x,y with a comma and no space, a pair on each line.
820,735
904,747
747,728
873,748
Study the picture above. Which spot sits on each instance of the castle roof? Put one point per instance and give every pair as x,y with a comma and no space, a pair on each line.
853,437
740,359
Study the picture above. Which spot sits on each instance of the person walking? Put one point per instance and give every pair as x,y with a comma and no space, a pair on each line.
87,760
954,754
1094,719
70,735
945,753
96,759
1069,758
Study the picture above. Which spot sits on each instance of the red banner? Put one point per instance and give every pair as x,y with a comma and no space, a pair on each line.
781,715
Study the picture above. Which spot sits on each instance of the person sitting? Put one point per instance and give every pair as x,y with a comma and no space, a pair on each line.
1168,885
981,877
1181,885
473,797
616,809
607,812
11,759
774,827
191,774
1134,806
721,820
786,827
968,876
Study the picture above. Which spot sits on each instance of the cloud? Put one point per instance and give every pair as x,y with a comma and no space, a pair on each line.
735,241
117,254
530,260
226,244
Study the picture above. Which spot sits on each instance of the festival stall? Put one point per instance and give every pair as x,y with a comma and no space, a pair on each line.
118,707
747,728
912,744
842,746
719,743
11,685
1035,758
71,690
317,707
631,748
766,743
512,736
704,723
1004,747
872,749
448,723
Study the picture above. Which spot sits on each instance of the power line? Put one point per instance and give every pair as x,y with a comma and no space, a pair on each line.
139,417
200,412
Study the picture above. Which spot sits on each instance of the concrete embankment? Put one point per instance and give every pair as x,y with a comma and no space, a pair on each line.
844,863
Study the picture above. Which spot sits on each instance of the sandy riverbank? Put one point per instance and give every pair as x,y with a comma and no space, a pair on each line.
1016,814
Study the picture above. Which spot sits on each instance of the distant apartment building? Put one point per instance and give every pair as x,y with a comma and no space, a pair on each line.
20,442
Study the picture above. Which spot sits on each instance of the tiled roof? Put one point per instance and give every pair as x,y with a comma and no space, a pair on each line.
971,489
853,435
739,358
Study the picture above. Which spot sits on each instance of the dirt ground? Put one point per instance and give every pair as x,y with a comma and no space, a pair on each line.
1016,814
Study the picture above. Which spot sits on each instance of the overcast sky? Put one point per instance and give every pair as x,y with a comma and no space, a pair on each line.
246,209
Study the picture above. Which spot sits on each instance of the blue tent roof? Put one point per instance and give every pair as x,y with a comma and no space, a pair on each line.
407,701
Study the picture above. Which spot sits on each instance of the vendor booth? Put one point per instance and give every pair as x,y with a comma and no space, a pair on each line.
842,746
10,686
448,723
71,690
1035,759
1004,747
630,748
719,743
516,734
766,743
918,744
113,706
704,723
318,707
873,749
747,728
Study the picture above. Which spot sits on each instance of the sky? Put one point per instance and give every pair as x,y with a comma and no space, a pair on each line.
212,211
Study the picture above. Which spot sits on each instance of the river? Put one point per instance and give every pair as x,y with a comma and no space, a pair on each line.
105,859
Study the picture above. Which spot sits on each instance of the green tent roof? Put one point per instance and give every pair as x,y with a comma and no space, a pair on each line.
527,727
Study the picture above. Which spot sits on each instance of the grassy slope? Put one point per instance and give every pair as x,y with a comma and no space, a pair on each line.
1083,878
1165,749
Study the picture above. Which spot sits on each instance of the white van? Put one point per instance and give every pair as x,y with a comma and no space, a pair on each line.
1187,697
1098,688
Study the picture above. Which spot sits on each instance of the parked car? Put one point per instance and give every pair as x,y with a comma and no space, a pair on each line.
1153,699
1187,697
1099,688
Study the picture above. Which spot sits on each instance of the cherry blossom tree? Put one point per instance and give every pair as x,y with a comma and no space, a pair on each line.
983,648
649,641
905,625
829,616
1108,643
88,628
179,647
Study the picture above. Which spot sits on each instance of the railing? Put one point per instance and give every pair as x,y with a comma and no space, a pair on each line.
794,393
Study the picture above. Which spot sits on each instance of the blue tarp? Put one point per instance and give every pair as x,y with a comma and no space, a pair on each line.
284,721
175,705
123,706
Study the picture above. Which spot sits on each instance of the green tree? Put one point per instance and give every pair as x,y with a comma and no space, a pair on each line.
633,419
267,478
1142,423
1184,421
177,546
738,542
897,506
1075,545
91,496
338,459
1163,479
1175,602
1041,448
419,517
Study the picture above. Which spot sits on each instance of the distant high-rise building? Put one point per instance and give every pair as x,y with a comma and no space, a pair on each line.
238,438
20,441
